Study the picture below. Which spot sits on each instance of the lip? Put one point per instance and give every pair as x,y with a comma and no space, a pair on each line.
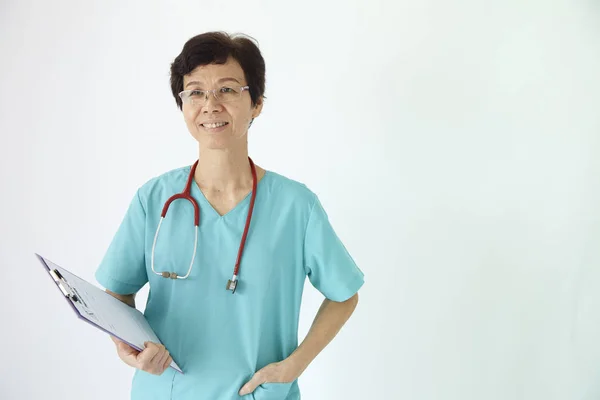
214,130
215,121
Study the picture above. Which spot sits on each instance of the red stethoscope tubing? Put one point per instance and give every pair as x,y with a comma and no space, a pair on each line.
186,194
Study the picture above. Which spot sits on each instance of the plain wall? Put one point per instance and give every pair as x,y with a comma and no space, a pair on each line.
454,145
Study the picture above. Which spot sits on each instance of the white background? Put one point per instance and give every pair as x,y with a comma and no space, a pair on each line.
455,146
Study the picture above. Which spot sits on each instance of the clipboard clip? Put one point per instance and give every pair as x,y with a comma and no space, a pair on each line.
63,285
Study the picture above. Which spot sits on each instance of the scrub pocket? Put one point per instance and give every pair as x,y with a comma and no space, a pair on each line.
272,391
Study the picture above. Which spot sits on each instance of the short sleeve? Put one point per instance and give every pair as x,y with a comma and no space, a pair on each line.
329,266
123,268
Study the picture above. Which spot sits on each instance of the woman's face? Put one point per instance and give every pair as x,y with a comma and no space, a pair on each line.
237,114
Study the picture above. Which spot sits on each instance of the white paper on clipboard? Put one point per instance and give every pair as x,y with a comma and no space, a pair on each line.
102,310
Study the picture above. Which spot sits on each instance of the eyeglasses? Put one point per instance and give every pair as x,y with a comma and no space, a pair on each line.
199,97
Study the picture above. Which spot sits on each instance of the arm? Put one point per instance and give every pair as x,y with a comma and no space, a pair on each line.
327,323
329,320
127,299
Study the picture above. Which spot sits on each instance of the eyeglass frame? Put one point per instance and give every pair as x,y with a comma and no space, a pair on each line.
214,93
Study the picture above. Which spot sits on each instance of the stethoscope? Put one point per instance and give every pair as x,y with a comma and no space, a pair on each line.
186,194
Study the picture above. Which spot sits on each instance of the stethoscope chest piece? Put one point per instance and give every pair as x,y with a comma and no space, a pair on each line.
232,285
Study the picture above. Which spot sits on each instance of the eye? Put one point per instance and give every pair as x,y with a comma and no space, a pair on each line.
197,93
227,90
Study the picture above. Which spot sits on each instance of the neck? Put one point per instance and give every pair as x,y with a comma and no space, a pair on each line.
223,170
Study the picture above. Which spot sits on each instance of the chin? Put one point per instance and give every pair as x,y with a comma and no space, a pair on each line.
215,146
215,142
225,140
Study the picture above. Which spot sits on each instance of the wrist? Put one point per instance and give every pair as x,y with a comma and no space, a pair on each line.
294,365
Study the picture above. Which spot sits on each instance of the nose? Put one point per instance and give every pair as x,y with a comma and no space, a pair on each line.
211,105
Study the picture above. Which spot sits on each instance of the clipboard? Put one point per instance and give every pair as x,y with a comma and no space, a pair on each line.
101,310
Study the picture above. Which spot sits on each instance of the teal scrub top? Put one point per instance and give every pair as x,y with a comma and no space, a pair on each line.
220,339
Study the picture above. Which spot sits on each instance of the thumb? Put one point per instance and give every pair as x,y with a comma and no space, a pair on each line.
127,349
252,384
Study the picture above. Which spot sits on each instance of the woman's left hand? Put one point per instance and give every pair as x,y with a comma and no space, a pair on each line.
279,372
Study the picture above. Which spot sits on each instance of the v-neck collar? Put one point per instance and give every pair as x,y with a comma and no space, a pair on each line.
240,204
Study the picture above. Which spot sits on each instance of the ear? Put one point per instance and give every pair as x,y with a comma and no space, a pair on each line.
257,108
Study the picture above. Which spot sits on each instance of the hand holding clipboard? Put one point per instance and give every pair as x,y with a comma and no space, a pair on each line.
154,359
125,324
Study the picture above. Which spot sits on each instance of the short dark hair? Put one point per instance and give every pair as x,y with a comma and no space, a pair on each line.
216,48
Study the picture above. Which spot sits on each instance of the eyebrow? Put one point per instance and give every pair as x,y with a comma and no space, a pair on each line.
219,81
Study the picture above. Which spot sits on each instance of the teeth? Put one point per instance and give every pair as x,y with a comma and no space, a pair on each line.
215,125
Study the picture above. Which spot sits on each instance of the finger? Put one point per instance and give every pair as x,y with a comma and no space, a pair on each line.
167,363
161,361
160,353
145,357
252,384
156,363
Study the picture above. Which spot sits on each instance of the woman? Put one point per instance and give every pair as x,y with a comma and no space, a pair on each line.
229,318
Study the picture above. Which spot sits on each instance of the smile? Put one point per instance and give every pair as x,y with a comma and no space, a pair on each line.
215,125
